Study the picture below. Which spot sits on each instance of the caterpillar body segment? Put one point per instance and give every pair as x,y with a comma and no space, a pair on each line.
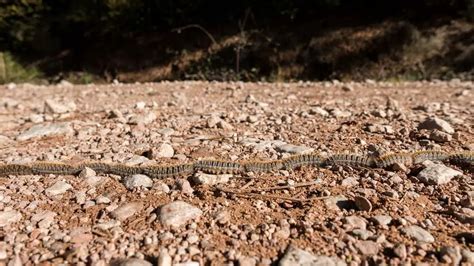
157,171
15,169
218,167
421,156
98,167
462,157
41,168
297,161
350,160
393,158
124,170
268,166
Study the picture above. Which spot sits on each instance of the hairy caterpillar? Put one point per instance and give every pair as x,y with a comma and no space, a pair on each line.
351,160
218,167
421,156
263,166
297,161
157,171
41,168
390,159
229,167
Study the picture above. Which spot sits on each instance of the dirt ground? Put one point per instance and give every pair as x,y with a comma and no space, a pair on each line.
254,219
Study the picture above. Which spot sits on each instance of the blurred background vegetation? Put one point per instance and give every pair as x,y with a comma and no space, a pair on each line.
85,41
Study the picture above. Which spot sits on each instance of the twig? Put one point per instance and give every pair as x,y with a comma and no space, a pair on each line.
209,35
247,185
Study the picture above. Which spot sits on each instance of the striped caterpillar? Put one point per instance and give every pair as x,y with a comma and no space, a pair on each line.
229,167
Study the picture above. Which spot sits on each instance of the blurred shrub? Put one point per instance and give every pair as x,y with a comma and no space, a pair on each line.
12,71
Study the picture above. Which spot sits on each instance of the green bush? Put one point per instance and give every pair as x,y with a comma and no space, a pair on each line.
13,71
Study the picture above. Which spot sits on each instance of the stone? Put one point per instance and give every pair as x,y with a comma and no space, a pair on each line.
185,186
164,259
211,180
437,174
355,222
5,141
340,114
440,136
56,107
400,250
36,118
318,111
362,233
165,150
58,188
297,257
418,233
436,123
142,119
41,130
337,202
178,213
126,210
367,248
467,256
134,262
87,173
349,182
454,253
9,217
363,204
44,218
290,148
224,125
136,181
382,219
94,180
247,261
347,87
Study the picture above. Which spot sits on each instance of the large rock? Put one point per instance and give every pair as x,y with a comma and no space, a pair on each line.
55,107
9,217
126,210
418,233
298,257
37,131
437,174
178,213
436,123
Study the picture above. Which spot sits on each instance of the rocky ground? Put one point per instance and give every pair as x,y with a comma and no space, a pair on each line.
419,214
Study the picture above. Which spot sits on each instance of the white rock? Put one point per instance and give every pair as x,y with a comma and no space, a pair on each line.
436,123
382,219
134,262
94,180
207,179
290,148
165,150
55,107
318,111
36,118
44,218
164,259
58,188
126,210
134,181
9,217
437,174
40,130
418,234
143,119
178,213
87,172
298,257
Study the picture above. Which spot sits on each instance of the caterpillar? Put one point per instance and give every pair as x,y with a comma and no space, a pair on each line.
263,166
351,160
157,171
421,156
462,157
390,159
229,167
297,161
40,168
218,167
